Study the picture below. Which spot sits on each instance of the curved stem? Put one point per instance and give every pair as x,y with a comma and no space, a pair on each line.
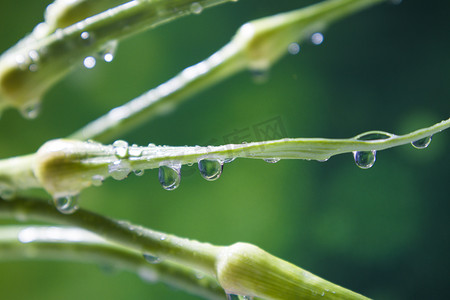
240,268
30,68
65,167
257,45
77,245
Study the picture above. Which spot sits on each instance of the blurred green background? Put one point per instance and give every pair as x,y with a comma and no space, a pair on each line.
383,232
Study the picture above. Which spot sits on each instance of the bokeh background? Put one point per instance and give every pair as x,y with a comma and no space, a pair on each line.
383,232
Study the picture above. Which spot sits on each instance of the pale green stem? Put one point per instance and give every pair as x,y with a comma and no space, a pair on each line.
63,13
257,45
77,245
65,167
240,268
30,68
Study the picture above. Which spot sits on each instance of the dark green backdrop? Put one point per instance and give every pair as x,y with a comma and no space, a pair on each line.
383,232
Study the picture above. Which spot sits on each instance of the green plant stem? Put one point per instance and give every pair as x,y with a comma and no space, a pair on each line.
256,46
65,167
30,68
77,245
240,268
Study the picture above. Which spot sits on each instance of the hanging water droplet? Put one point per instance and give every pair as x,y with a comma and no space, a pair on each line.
422,143
271,160
196,8
152,259
138,172
121,148
228,160
293,48
119,169
31,109
169,177
97,180
317,38
260,75
210,169
89,62
365,159
7,192
108,51
66,205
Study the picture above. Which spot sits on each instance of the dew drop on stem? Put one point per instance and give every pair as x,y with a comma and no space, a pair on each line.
67,204
422,143
364,159
138,172
271,160
97,180
210,169
169,176
120,148
119,169
196,8
151,259
7,192
31,109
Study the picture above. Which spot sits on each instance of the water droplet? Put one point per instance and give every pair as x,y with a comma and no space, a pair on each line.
293,48
7,192
135,150
34,55
260,75
152,259
121,148
85,35
66,205
108,57
119,169
138,172
210,169
89,62
169,177
422,143
108,51
365,159
163,237
33,67
374,135
236,297
31,109
228,160
199,275
271,160
97,180
317,38
196,8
